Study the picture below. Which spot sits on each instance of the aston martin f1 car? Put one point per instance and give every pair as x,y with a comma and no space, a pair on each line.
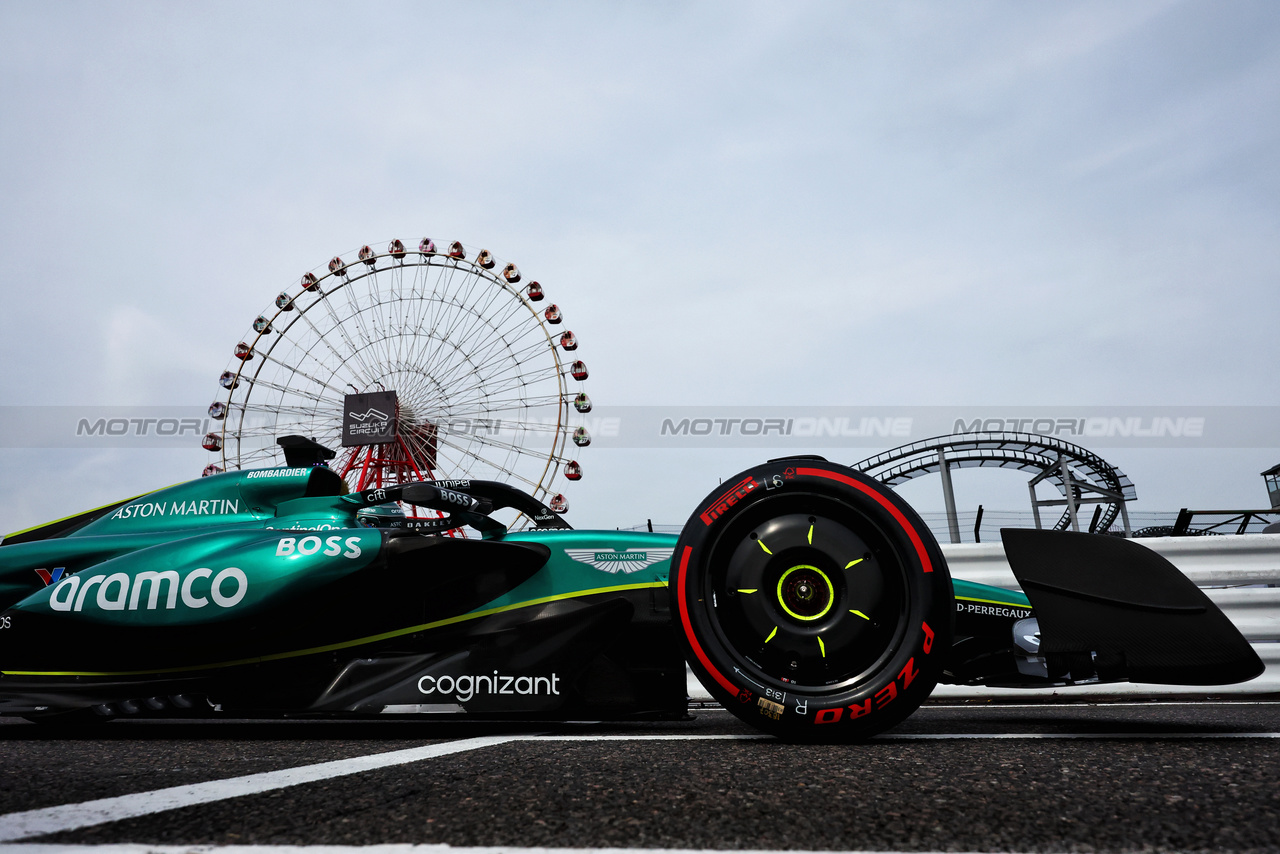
809,599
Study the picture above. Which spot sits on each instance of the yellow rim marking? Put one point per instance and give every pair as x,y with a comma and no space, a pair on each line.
810,535
822,646
860,614
854,562
831,592
771,634
461,618
752,590
763,546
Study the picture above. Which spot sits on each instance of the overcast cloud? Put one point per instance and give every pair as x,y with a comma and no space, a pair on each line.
751,204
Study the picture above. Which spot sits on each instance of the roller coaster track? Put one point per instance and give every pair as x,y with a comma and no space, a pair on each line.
1044,455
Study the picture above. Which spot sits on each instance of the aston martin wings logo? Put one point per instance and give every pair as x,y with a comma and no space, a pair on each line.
627,562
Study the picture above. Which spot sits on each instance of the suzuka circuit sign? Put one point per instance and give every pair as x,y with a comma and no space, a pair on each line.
369,418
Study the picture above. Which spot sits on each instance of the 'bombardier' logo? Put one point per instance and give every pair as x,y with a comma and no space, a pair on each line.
616,561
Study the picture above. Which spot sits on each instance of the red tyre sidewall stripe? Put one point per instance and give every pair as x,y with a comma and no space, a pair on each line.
688,627
883,502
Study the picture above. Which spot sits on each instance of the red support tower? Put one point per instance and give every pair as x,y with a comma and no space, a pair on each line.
399,453
394,462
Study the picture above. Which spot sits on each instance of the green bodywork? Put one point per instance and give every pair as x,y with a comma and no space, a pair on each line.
234,549
570,577
985,594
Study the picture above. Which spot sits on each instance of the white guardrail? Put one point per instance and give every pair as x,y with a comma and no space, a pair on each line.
1241,574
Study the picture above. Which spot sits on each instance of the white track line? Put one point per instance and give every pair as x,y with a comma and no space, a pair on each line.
38,822
24,825
675,737
32,823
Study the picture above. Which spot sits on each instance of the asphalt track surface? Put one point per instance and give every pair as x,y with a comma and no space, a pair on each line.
1113,777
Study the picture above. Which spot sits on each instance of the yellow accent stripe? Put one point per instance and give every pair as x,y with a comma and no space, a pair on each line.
810,535
278,656
751,590
771,634
860,614
854,562
822,646
763,546
994,602
81,513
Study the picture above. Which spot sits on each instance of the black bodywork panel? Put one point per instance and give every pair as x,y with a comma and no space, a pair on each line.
1121,610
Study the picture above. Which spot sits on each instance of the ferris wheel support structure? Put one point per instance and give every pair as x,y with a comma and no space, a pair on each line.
448,368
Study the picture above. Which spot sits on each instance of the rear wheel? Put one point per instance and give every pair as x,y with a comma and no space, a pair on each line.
813,601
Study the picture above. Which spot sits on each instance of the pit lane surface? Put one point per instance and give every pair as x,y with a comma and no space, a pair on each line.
994,778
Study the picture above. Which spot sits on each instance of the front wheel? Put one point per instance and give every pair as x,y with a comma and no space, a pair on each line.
813,602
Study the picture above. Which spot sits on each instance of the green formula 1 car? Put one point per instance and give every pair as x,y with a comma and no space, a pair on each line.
810,600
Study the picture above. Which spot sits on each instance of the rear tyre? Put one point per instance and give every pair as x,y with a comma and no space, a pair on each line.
813,602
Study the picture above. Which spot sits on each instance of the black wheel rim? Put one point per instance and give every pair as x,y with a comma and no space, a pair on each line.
808,595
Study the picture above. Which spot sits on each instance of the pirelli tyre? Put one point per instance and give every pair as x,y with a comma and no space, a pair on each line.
813,602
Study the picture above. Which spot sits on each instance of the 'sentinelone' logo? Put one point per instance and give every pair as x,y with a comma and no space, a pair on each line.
625,562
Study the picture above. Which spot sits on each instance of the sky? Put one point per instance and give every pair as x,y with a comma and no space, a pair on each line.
770,204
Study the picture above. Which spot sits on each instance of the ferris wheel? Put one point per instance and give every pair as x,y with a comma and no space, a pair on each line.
429,365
